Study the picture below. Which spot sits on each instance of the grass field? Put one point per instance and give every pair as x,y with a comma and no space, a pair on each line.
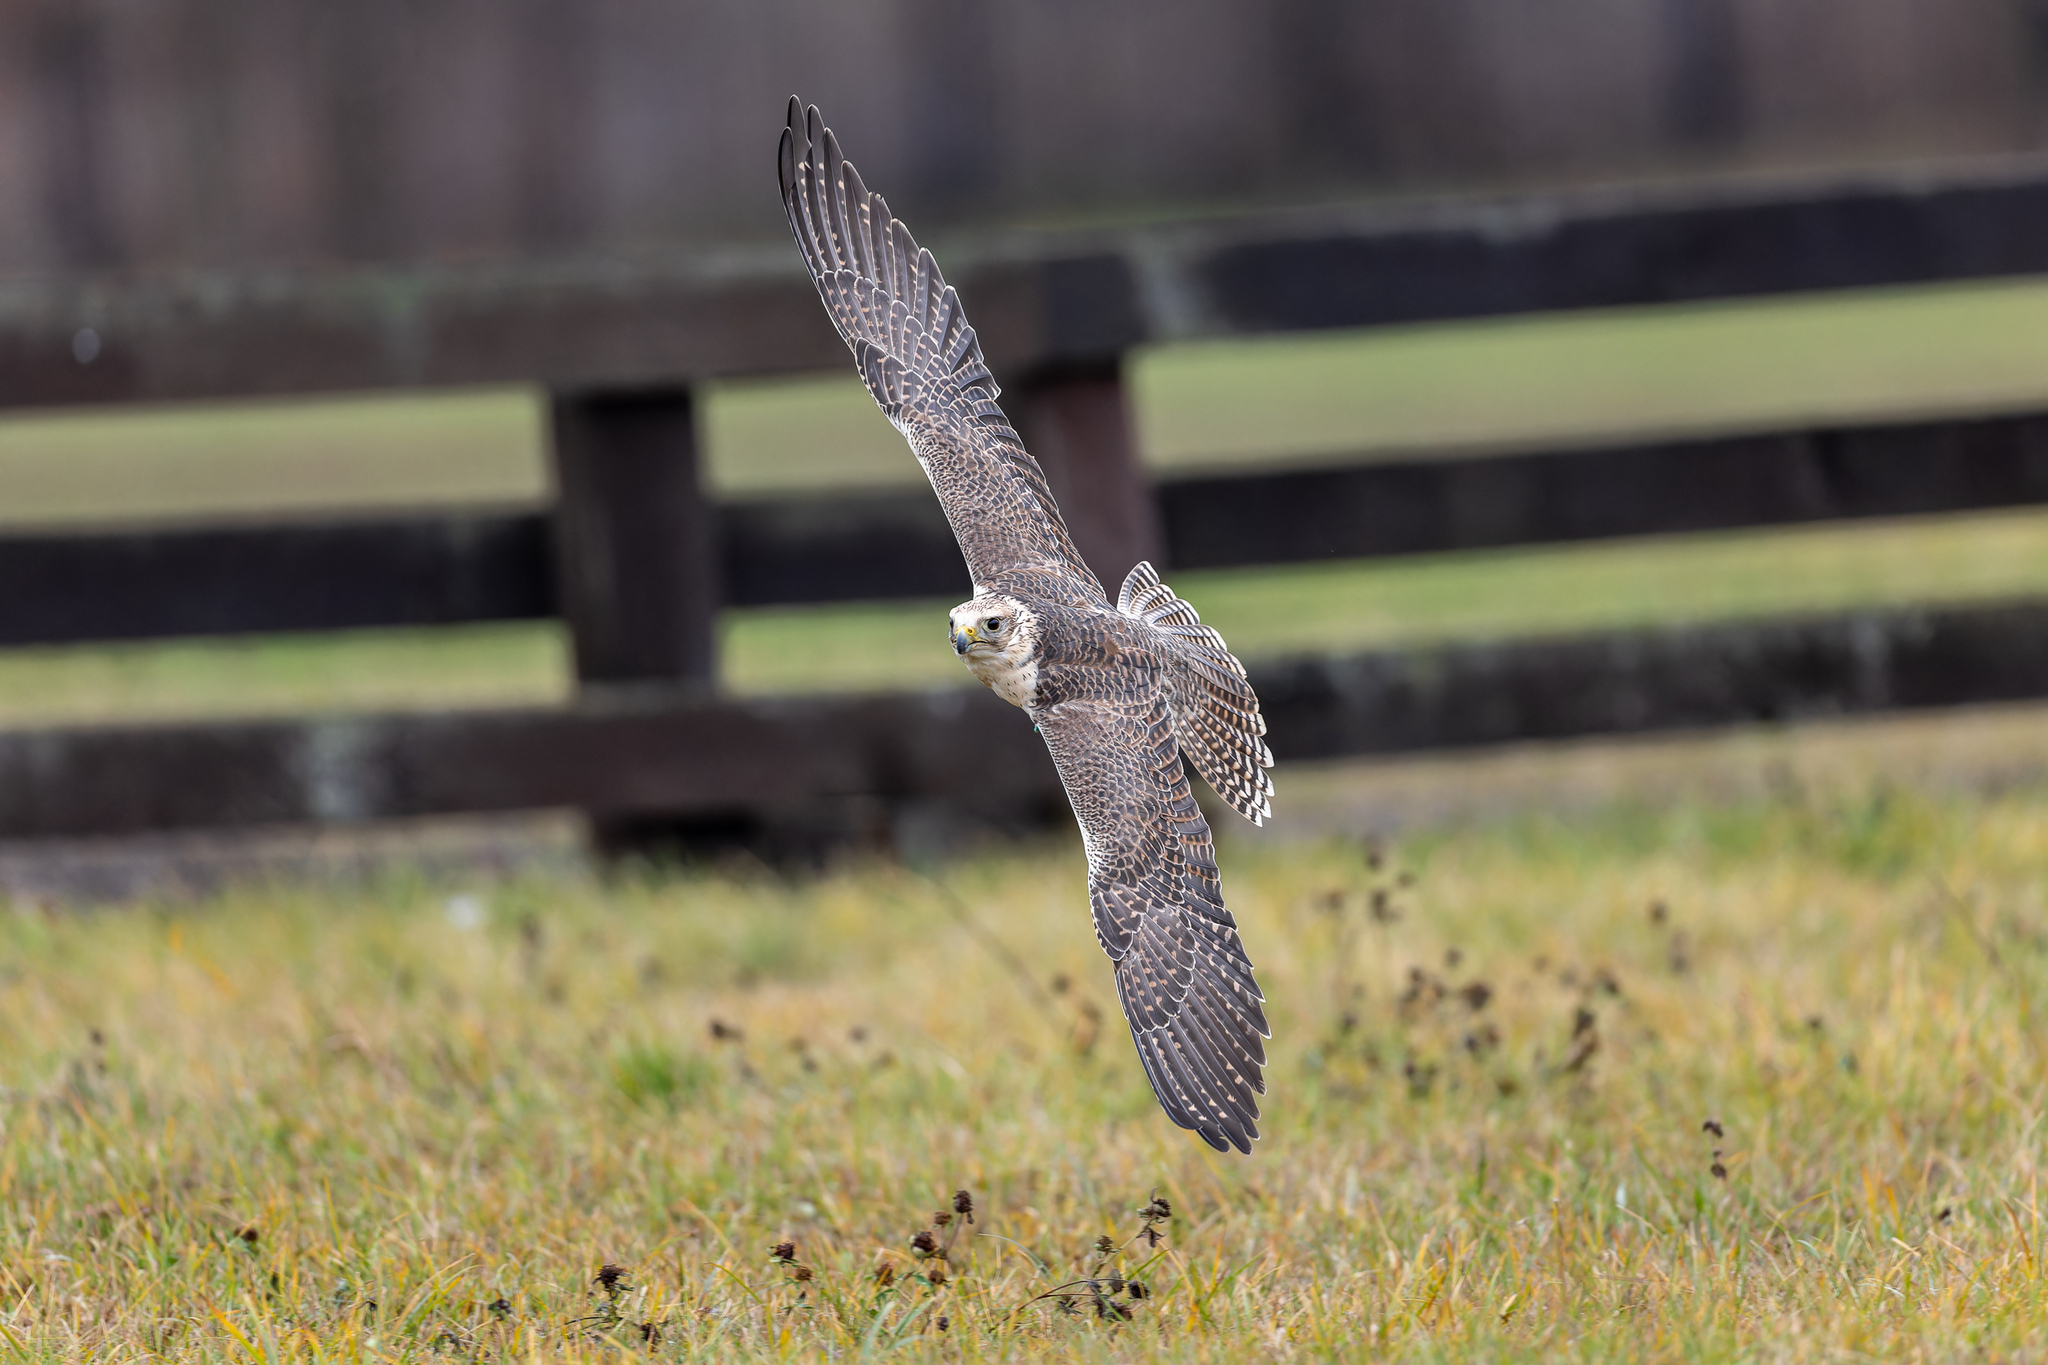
414,1121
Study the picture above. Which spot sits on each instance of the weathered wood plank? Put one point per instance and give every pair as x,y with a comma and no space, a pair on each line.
579,325
1674,678
849,547
681,757
1412,507
673,755
1620,248
422,570
845,548
1038,302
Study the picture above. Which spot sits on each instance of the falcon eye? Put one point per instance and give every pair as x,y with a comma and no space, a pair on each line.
994,624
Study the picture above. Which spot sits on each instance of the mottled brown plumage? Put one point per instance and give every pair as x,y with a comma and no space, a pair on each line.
1120,692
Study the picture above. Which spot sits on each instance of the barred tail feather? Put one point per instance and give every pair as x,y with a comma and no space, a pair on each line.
1215,712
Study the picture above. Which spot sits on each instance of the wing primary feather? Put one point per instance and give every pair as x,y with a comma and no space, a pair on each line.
1213,1083
919,291
1167,1085
833,204
1214,1049
816,201
880,247
955,336
1236,1043
785,173
1188,1110
796,192
814,195
1214,1116
853,200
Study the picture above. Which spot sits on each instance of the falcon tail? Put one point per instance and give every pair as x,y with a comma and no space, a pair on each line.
1215,712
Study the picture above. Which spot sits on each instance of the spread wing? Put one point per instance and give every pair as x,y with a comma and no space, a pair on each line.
921,361
1181,970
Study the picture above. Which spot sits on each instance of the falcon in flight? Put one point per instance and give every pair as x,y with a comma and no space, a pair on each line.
1121,692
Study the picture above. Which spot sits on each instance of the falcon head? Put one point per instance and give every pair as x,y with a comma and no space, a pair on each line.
994,626
997,637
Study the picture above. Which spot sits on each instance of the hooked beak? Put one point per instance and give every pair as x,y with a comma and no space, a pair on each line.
962,638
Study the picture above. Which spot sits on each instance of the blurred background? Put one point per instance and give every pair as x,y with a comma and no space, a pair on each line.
236,146
220,132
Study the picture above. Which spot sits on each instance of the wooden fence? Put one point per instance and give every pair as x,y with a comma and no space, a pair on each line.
637,559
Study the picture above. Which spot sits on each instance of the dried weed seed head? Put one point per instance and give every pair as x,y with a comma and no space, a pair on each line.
611,1278
963,1204
924,1244
1099,1286
783,1251
1154,1213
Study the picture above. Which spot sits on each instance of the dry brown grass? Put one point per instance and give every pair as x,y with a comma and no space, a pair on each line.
552,1119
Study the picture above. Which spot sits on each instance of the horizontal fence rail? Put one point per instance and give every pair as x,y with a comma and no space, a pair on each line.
1040,301
711,760
462,567
235,580
637,560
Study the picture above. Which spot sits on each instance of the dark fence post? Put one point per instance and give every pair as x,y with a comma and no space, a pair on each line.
1075,421
635,552
636,560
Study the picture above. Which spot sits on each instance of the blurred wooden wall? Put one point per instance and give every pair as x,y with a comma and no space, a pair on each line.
152,133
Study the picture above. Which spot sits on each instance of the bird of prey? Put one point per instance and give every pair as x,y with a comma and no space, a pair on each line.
1121,692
